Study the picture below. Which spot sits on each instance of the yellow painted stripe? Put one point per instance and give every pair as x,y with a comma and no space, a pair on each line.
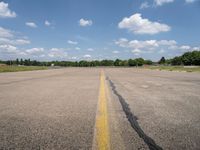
102,126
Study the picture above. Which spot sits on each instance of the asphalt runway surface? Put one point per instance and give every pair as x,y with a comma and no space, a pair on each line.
59,109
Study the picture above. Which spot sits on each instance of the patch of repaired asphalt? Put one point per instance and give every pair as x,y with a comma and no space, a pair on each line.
133,120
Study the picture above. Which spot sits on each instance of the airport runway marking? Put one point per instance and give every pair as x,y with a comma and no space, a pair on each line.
102,135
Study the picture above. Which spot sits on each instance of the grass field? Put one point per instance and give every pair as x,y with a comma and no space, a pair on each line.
176,68
21,68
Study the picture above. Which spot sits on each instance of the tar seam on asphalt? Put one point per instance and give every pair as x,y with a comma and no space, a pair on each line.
133,120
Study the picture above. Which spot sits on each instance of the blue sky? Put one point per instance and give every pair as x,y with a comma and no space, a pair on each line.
98,29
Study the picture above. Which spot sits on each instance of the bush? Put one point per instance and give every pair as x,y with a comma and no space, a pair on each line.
191,58
177,61
132,62
162,60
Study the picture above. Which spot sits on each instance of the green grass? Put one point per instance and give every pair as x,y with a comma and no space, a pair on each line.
21,68
176,68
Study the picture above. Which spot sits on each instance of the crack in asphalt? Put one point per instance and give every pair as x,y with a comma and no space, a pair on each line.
133,120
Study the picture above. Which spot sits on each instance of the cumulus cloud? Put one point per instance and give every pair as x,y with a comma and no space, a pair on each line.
196,48
161,51
122,42
186,48
150,44
144,5
138,47
136,51
72,42
5,12
87,56
77,48
139,25
115,52
47,23
31,24
5,33
84,22
74,57
14,41
9,42
22,42
8,49
190,1
162,2
90,49
34,51
8,37
57,53
147,46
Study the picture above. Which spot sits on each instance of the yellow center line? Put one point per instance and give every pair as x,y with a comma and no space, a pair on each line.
102,136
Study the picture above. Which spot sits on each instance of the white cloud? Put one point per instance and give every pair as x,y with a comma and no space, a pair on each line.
47,23
83,22
57,53
154,46
8,49
161,2
42,55
150,44
136,51
167,42
74,58
14,41
115,52
143,44
196,48
72,42
34,51
22,42
5,12
77,48
144,5
122,42
5,33
87,56
185,47
139,25
90,49
31,24
161,51
190,1
8,37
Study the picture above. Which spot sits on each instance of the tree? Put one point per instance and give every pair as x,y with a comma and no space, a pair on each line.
124,63
176,61
191,58
21,62
148,62
107,63
117,62
17,61
162,60
132,62
139,61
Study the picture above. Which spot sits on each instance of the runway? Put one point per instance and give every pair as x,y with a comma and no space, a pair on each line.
60,109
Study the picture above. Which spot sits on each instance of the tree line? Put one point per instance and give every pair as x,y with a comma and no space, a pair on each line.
188,58
82,63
